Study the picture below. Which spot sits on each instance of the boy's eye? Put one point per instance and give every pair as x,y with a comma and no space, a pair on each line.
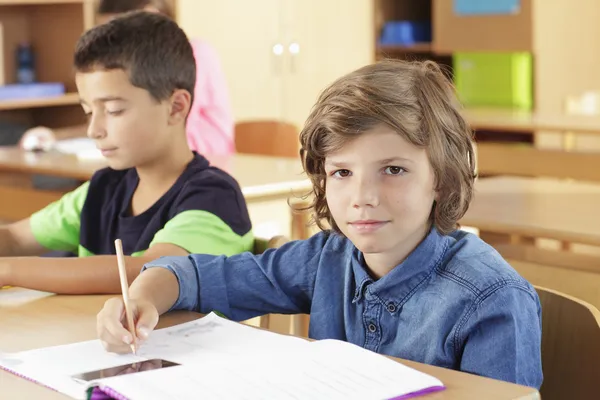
341,173
115,112
392,170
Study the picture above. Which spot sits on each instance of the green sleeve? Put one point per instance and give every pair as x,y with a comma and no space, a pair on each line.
56,226
201,232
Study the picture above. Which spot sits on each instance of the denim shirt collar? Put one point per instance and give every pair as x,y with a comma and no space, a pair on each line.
396,287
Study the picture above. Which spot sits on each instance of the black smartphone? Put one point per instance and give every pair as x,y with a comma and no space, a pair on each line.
124,369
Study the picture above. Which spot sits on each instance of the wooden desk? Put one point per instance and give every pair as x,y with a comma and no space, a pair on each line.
527,160
262,179
56,320
526,122
537,207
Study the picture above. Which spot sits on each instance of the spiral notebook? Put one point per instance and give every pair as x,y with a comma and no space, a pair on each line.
216,358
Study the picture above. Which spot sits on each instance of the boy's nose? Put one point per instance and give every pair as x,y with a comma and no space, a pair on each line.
366,194
95,129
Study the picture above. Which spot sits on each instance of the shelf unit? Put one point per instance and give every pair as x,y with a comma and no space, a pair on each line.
399,49
68,99
408,10
52,27
564,66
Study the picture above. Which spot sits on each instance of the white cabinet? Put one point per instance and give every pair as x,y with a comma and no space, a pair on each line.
279,54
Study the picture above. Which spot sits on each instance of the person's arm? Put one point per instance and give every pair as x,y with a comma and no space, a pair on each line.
210,123
55,227
241,287
247,285
17,239
76,275
58,227
502,336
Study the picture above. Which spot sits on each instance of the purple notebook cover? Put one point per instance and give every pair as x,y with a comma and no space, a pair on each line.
107,393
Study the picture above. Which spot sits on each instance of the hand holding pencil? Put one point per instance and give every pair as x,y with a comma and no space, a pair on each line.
125,322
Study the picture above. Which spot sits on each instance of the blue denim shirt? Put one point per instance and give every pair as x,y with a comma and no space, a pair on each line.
454,302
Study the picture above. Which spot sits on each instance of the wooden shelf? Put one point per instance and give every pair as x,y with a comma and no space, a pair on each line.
64,100
38,2
525,122
414,48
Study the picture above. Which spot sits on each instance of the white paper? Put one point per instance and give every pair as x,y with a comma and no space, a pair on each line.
324,370
221,359
83,148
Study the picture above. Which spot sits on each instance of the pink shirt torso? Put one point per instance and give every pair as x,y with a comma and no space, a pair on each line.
210,125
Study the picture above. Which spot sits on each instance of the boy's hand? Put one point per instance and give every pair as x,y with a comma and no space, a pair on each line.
112,328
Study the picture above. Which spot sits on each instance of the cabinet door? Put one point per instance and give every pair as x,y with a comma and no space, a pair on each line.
323,41
245,35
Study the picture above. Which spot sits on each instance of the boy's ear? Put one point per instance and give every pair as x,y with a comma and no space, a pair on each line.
180,102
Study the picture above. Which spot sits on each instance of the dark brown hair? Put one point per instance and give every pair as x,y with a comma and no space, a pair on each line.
417,101
150,47
121,6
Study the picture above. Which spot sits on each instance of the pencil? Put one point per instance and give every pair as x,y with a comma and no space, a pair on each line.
125,290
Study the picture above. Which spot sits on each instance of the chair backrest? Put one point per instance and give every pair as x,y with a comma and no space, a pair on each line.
268,138
570,346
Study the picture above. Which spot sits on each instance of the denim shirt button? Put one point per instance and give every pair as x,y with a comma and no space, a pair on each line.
372,328
391,307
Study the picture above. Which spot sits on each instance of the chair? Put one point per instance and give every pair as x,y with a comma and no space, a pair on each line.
267,138
570,346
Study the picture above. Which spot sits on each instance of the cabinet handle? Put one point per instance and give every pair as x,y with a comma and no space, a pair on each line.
277,51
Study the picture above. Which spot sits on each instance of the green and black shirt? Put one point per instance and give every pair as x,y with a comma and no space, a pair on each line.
203,212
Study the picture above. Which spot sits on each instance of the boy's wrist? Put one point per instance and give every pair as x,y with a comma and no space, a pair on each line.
156,286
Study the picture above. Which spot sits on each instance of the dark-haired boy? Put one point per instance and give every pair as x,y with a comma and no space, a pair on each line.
135,76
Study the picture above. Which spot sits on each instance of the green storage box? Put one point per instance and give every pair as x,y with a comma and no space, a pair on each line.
494,79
